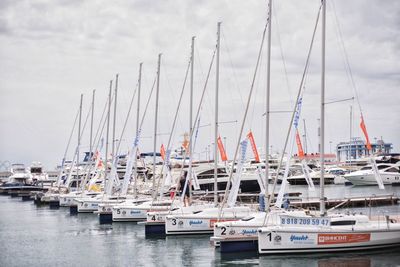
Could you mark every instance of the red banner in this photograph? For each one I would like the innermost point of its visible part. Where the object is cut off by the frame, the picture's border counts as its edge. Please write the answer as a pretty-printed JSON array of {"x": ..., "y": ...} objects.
[
  {"x": 221, "y": 149},
  {"x": 364, "y": 130},
  {"x": 162, "y": 152},
  {"x": 97, "y": 156},
  {"x": 253, "y": 146},
  {"x": 299, "y": 146},
  {"x": 329, "y": 239}
]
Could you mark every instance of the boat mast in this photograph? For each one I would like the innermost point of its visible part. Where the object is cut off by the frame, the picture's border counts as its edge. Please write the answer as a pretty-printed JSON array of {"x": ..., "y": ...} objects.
[
  {"x": 322, "y": 148},
  {"x": 216, "y": 119},
  {"x": 267, "y": 101},
  {"x": 191, "y": 116},
  {"x": 79, "y": 142},
  {"x": 155, "y": 127},
  {"x": 115, "y": 119},
  {"x": 107, "y": 135},
  {"x": 137, "y": 124},
  {"x": 90, "y": 144},
  {"x": 351, "y": 132}
]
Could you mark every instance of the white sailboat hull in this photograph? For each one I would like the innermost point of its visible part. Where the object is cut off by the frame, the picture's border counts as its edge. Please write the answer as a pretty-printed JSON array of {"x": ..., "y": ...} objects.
[
  {"x": 276, "y": 242},
  {"x": 202, "y": 223},
  {"x": 132, "y": 212}
]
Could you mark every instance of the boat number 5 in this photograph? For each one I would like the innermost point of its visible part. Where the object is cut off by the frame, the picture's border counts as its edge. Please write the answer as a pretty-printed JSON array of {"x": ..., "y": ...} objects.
[{"x": 118, "y": 211}]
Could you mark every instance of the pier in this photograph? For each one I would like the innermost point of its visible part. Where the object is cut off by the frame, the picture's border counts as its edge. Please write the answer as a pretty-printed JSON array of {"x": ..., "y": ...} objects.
[{"x": 351, "y": 202}]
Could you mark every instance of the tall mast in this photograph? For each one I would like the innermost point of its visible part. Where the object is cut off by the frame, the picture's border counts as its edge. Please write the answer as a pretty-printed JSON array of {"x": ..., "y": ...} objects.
[
  {"x": 90, "y": 141},
  {"x": 322, "y": 151},
  {"x": 155, "y": 126},
  {"x": 267, "y": 101},
  {"x": 191, "y": 114},
  {"x": 191, "y": 91},
  {"x": 216, "y": 118},
  {"x": 108, "y": 132},
  {"x": 351, "y": 132},
  {"x": 91, "y": 128},
  {"x": 79, "y": 141},
  {"x": 115, "y": 118},
  {"x": 137, "y": 123}
]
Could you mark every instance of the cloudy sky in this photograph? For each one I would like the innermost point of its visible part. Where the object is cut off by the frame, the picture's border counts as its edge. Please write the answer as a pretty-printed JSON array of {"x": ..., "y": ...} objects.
[{"x": 52, "y": 51}]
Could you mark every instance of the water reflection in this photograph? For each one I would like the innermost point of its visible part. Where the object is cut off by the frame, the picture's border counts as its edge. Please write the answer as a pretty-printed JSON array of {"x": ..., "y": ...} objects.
[{"x": 38, "y": 236}]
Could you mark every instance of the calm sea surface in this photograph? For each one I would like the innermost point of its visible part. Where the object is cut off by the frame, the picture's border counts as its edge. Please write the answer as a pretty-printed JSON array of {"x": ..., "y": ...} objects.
[{"x": 37, "y": 236}]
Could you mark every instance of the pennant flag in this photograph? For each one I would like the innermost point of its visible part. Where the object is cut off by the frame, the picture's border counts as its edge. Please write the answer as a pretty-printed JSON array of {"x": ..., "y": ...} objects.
[
  {"x": 253, "y": 146},
  {"x": 299, "y": 146},
  {"x": 162, "y": 152},
  {"x": 364, "y": 130},
  {"x": 221, "y": 149}
]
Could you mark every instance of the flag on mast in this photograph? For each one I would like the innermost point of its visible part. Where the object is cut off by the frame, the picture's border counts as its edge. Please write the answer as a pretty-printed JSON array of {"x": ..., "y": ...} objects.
[
  {"x": 253, "y": 146},
  {"x": 364, "y": 130},
  {"x": 221, "y": 149},
  {"x": 299, "y": 146},
  {"x": 162, "y": 152}
]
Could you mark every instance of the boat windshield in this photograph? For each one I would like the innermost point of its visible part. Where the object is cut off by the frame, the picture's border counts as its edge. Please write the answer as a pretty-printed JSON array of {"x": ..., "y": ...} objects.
[{"x": 366, "y": 168}]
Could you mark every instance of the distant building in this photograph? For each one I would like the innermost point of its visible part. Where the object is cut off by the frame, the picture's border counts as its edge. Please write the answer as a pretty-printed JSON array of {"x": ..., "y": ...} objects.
[{"x": 357, "y": 149}]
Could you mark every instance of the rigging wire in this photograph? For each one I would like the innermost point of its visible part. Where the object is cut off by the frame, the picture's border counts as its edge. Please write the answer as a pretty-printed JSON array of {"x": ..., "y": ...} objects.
[
  {"x": 197, "y": 115},
  {"x": 346, "y": 57},
  {"x": 243, "y": 120},
  {"x": 127, "y": 118},
  {"x": 68, "y": 144},
  {"x": 270, "y": 199},
  {"x": 174, "y": 125}
]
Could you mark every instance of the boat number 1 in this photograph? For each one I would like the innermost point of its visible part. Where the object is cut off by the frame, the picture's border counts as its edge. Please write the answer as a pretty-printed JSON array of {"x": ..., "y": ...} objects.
[{"x": 269, "y": 236}]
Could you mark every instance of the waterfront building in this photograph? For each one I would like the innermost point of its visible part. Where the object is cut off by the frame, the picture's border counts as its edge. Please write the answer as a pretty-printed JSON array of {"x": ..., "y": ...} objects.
[{"x": 356, "y": 149}]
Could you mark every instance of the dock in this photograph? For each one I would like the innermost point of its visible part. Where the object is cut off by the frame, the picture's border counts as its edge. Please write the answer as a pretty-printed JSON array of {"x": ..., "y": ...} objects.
[{"x": 351, "y": 202}]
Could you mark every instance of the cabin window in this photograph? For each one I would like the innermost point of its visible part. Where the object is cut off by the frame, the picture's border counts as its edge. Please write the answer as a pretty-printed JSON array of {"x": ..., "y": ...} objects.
[
  {"x": 366, "y": 168},
  {"x": 382, "y": 167},
  {"x": 350, "y": 222},
  {"x": 393, "y": 169},
  {"x": 248, "y": 218}
]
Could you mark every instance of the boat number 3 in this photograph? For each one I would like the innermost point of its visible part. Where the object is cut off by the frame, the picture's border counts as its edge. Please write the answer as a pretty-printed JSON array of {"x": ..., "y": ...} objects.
[
  {"x": 173, "y": 221},
  {"x": 223, "y": 230}
]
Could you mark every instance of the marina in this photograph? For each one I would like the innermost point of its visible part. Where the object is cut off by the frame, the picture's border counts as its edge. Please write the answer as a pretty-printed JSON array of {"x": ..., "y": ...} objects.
[
  {"x": 201, "y": 155},
  {"x": 39, "y": 229}
]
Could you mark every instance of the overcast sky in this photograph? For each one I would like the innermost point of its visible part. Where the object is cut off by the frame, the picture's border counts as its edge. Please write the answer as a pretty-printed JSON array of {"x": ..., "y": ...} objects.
[{"x": 52, "y": 51}]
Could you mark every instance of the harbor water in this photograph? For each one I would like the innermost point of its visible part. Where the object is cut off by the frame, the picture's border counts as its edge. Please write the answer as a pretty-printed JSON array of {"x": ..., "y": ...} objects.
[{"x": 33, "y": 235}]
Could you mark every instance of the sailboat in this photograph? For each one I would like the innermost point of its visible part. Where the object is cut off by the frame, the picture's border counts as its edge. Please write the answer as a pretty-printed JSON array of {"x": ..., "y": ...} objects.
[
  {"x": 202, "y": 222},
  {"x": 156, "y": 220},
  {"x": 327, "y": 232},
  {"x": 129, "y": 210}
]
